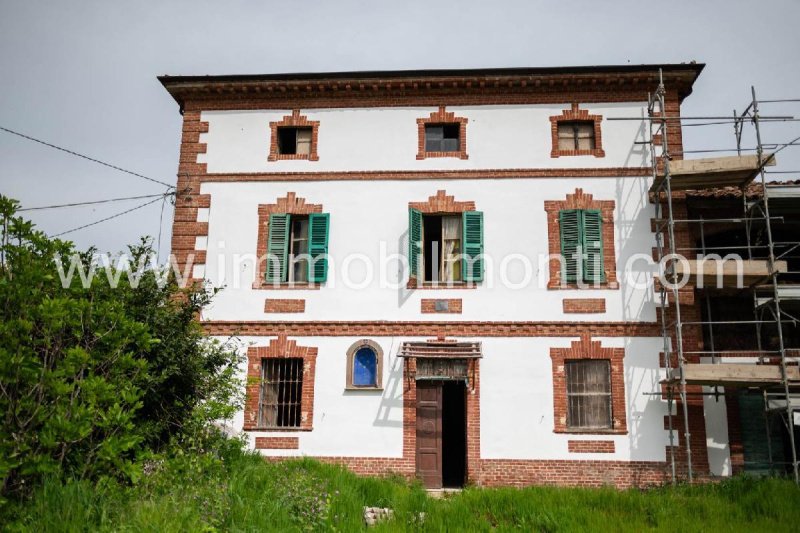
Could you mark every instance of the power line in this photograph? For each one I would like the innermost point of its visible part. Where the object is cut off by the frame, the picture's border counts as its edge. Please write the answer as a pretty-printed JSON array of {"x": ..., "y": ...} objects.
[
  {"x": 18, "y": 134},
  {"x": 109, "y": 218},
  {"x": 94, "y": 202}
]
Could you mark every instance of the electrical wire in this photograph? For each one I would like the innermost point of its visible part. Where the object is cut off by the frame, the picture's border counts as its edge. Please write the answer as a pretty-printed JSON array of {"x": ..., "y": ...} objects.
[
  {"x": 18, "y": 134},
  {"x": 110, "y": 217},
  {"x": 93, "y": 202}
]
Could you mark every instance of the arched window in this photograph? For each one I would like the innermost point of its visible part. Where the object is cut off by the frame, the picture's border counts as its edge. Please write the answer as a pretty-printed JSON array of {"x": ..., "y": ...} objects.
[{"x": 365, "y": 365}]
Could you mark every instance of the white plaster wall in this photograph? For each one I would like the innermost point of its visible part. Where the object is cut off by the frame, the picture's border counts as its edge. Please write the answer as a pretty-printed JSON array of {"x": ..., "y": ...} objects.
[
  {"x": 368, "y": 215},
  {"x": 352, "y": 139},
  {"x": 516, "y": 400}
]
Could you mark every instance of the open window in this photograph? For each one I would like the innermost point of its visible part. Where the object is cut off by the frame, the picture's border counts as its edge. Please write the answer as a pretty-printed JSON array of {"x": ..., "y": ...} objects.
[
  {"x": 443, "y": 137},
  {"x": 294, "y": 141},
  {"x": 297, "y": 248},
  {"x": 446, "y": 248},
  {"x": 364, "y": 366}
]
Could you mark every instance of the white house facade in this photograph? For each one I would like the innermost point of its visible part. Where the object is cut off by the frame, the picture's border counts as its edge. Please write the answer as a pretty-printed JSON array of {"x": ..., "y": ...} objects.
[{"x": 397, "y": 252}]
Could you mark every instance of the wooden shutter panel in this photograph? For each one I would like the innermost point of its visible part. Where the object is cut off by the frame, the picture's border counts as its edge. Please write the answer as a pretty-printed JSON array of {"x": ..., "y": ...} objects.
[
  {"x": 278, "y": 247},
  {"x": 592, "y": 232},
  {"x": 472, "y": 262},
  {"x": 318, "y": 230},
  {"x": 414, "y": 240},
  {"x": 569, "y": 222}
]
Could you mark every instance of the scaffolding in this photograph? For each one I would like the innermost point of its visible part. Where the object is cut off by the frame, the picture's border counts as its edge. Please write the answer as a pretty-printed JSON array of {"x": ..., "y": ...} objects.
[{"x": 761, "y": 272}]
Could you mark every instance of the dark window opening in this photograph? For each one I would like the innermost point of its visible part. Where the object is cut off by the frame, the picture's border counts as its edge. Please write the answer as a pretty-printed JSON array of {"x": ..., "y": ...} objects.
[
  {"x": 442, "y": 137},
  {"x": 454, "y": 434},
  {"x": 588, "y": 394},
  {"x": 281, "y": 393},
  {"x": 298, "y": 249},
  {"x": 293, "y": 141},
  {"x": 442, "y": 248},
  {"x": 576, "y": 135}
]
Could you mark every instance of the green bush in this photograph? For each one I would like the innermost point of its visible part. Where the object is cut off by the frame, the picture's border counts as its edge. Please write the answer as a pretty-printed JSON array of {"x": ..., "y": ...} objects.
[{"x": 96, "y": 379}]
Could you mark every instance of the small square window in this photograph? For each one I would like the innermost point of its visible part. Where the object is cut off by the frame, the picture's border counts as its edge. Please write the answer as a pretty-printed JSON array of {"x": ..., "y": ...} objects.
[
  {"x": 442, "y": 137},
  {"x": 294, "y": 141},
  {"x": 576, "y": 135},
  {"x": 588, "y": 394}
]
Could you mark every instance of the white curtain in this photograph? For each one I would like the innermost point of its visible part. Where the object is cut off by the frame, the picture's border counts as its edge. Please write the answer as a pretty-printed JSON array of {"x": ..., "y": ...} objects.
[{"x": 451, "y": 247}]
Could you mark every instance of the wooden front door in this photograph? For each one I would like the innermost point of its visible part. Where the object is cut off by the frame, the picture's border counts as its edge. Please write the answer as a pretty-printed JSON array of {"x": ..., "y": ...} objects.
[{"x": 429, "y": 433}]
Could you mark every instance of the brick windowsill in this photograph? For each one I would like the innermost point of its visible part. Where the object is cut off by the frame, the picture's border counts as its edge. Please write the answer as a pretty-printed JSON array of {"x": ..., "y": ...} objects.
[
  {"x": 276, "y": 430},
  {"x": 610, "y": 286},
  {"x": 412, "y": 284},
  {"x": 591, "y": 431},
  {"x": 363, "y": 389},
  {"x": 264, "y": 285}
]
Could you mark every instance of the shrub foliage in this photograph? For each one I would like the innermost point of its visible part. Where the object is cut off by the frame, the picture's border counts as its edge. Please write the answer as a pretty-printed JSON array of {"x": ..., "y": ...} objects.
[{"x": 95, "y": 379}]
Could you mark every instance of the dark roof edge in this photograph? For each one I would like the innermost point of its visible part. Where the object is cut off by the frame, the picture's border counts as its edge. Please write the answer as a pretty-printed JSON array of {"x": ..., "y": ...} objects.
[{"x": 437, "y": 73}]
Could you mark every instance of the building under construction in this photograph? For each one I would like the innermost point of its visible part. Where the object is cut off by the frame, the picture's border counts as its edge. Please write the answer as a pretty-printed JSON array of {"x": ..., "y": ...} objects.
[{"x": 731, "y": 332}]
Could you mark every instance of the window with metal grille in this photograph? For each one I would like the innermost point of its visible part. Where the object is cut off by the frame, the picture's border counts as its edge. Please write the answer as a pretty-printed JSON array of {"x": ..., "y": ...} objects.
[
  {"x": 588, "y": 394},
  {"x": 576, "y": 135},
  {"x": 281, "y": 393},
  {"x": 442, "y": 137}
]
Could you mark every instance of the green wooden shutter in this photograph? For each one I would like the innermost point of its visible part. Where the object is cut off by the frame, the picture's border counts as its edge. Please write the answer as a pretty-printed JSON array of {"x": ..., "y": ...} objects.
[
  {"x": 593, "y": 271},
  {"x": 569, "y": 222},
  {"x": 278, "y": 247},
  {"x": 472, "y": 242},
  {"x": 414, "y": 240},
  {"x": 318, "y": 229}
]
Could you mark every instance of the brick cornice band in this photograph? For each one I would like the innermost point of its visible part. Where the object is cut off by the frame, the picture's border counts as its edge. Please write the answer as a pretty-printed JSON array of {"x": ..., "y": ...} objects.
[{"x": 321, "y": 328}]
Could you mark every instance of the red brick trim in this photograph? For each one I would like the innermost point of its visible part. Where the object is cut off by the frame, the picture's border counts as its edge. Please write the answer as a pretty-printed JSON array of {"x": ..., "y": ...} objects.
[
  {"x": 584, "y": 305},
  {"x": 298, "y": 121},
  {"x": 586, "y": 348},
  {"x": 334, "y": 328},
  {"x": 275, "y": 305},
  {"x": 591, "y": 446},
  {"x": 293, "y": 205},
  {"x": 581, "y": 200},
  {"x": 735, "y": 445},
  {"x": 442, "y": 117},
  {"x": 447, "y": 305},
  {"x": 277, "y": 443},
  {"x": 526, "y": 472},
  {"x": 279, "y": 347},
  {"x": 536, "y": 88},
  {"x": 442, "y": 203},
  {"x": 414, "y": 175},
  {"x": 576, "y": 114}
]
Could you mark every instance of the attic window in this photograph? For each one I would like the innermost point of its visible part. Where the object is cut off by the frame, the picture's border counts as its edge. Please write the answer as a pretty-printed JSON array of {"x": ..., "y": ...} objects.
[
  {"x": 442, "y": 137},
  {"x": 576, "y": 135},
  {"x": 294, "y": 141}
]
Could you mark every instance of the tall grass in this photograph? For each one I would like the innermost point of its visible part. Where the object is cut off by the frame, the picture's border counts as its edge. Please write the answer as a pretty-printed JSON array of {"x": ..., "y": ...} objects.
[{"x": 242, "y": 492}]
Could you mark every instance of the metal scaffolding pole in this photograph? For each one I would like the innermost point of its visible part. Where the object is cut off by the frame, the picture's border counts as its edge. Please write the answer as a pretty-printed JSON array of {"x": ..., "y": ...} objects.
[{"x": 656, "y": 105}]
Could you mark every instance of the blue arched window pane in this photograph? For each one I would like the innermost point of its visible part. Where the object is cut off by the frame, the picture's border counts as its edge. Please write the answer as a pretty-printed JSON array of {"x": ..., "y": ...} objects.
[{"x": 365, "y": 368}]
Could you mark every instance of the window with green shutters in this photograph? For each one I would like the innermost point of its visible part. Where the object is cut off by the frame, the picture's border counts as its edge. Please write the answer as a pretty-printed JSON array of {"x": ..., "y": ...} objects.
[
  {"x": 581, "y": 245},
  {"x": 444, "y": 248},
  {"x": 297, "y": 248}
]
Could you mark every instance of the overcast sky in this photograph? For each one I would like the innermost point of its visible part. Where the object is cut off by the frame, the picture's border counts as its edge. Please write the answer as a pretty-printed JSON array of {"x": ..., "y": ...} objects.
[{"x": 82, "y": 74}]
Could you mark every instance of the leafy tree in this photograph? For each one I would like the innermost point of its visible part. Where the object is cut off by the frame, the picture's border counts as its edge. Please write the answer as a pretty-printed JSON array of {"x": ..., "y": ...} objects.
[{"x": 94, "y": 379}]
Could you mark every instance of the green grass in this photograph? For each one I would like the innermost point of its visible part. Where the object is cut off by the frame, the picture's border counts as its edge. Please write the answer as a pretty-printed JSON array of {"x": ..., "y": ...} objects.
[{"x": 242, "y": 492}]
